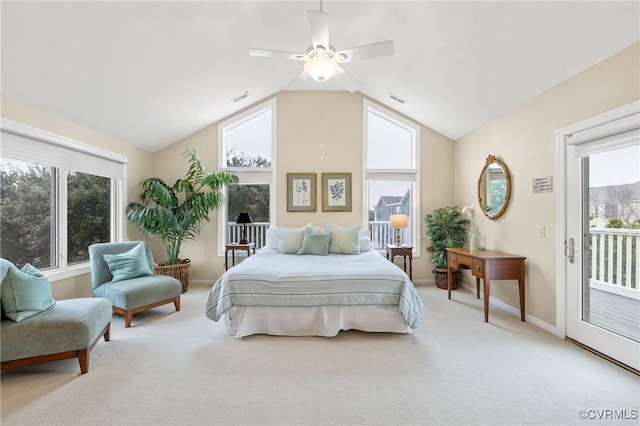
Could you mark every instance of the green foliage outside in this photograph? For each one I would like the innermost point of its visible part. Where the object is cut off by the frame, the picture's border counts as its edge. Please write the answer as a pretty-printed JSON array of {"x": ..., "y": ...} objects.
[
  {"x": 26, "y": 214},
  {"x": 252, "y": 198}
]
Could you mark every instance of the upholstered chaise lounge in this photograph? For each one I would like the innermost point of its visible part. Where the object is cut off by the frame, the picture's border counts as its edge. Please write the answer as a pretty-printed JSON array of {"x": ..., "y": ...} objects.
[
  {"x": 67, "y": 329},
  {"x": 142, "y": 291}
]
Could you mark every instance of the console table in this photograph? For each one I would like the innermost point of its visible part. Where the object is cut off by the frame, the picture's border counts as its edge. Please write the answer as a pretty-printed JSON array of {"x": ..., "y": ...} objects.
[{"x": 487, "y": 265}]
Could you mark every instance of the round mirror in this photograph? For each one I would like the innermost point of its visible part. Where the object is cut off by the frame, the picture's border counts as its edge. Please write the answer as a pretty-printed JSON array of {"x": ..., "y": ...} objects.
[{"x": 494, "y": 188}]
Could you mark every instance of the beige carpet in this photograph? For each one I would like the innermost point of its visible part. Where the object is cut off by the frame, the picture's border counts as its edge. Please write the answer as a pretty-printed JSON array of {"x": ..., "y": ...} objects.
[{"x": 181, "y": 368}]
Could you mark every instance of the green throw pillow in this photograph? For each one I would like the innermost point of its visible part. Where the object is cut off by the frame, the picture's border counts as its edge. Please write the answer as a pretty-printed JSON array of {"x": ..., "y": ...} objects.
[
  {"x": 314, "y": 243},
  {"x": 290, "y": 240},
  {"x": 130, "y": 264},
  {"x": 343, "y": 240},
  {"x": 25, "y": 293}
]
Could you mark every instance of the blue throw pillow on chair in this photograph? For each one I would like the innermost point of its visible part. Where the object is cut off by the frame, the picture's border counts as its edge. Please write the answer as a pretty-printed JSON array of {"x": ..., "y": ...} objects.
[
  {"x": 130, "y": 264},
  {"x": 25, "y": 293}
]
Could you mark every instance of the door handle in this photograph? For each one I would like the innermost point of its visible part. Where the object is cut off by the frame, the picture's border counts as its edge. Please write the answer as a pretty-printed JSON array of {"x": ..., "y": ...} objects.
[{"x": 570, "y": 249}]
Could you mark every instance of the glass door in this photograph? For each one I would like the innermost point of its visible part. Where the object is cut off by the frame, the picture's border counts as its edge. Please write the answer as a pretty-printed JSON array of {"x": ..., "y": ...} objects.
[{"x": 603, "y": 249}]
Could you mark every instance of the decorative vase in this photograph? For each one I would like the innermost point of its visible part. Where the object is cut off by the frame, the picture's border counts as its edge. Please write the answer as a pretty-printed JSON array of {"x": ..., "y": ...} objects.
[{"x": 473, "y": 239}]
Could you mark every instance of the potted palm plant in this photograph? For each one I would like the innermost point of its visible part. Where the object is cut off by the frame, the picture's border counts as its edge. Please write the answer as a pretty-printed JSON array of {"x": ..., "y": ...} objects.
[
  {"x": 446, "y": 228},
  {"x": 176, "y": 213}
]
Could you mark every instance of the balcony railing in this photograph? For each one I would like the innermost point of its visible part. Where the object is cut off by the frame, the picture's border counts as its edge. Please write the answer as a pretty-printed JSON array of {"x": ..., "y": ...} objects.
[
  {"x": 256, "y": 232},
  {"x": 381, "y": 233},
  {"x": 615, "y": 261}
]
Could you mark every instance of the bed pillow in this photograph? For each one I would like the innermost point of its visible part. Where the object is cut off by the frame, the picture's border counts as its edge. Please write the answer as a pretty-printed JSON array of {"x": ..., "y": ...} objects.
[
  {"x": 130, "y": 264},
  {"x": 290, "y": 240},
  {"x": 365, "y": 240},
  {"x": 25, "y": 293},
  {"x": 272, "y": 238},
  {"x": 343, "y": 240},
  {"x": 315, "y": 243}
]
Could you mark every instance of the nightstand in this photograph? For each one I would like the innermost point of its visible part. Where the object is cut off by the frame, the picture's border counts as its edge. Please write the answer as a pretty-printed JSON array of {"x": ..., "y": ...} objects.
[
  {"x": 232, "y": 247},
  {"x": 404, "y": 251}
]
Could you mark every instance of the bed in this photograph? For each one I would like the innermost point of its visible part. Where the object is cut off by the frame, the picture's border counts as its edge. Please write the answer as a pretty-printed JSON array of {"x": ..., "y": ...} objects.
[{"x": 296, "y": 295}]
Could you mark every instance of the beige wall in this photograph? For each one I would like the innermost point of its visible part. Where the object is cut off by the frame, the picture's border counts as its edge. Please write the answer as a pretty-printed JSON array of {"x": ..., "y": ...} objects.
[
  {"x": 139, "y": 167},
  {"x": 524, "y": 139},
  {"x": 307, "y": 120}
]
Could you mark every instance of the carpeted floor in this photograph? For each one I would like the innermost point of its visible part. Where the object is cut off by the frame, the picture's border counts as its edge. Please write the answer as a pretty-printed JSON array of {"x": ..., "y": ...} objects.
[{"x": 181, "y": 368}]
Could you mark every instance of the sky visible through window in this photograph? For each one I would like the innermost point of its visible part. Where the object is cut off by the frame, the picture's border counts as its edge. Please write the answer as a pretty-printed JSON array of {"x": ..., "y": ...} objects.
[
  {"x": 615, "y": 167},
  {"x": 252, "y": 137}
]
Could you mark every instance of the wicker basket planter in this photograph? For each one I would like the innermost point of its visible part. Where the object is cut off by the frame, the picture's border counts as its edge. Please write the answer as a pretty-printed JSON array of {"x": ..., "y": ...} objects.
[
  {"x": 181, "y": 271},
  {"x": 442, "y": 280}
]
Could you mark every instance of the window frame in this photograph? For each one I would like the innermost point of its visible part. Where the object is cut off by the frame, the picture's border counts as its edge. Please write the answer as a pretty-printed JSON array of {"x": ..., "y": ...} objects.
[
  {"x": 54, "y": 145},
  {"x": 410, "y": 175},
  {"x": 248, "y": 175}
]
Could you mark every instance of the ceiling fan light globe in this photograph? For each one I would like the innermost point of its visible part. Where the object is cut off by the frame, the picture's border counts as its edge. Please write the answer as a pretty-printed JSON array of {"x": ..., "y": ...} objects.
[{"x": 321, "y": 68}]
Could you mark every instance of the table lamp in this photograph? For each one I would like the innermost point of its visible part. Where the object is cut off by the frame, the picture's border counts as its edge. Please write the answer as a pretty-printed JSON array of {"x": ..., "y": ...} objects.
[
  {"x": 244, "y": 218},
  {"x": 398, "y": 221}
]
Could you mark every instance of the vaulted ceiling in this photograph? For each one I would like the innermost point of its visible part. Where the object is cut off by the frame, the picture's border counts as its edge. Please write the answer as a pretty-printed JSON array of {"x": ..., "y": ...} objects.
[{"x": 150, "y": 73}]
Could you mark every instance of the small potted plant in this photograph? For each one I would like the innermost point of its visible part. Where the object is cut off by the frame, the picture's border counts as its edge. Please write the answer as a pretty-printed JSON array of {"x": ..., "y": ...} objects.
[
  {"x": 446, "y": 228},
  {"x": 176, "y": 213}
]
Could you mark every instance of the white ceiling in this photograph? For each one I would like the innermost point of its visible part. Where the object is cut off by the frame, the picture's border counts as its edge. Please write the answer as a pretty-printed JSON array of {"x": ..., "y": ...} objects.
[{"x": 150, "y": 73}]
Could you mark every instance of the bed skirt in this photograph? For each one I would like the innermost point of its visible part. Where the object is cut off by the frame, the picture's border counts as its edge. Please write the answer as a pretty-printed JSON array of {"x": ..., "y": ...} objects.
[{"x": 325, "y": 321}]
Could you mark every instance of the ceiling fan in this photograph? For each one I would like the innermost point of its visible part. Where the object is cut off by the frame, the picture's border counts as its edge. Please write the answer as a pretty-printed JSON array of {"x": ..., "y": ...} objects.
[{"x": 322, "y": 60}]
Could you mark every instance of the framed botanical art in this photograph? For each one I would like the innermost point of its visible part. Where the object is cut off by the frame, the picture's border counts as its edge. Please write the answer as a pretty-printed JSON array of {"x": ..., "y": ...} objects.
[
  {"x": 301, "y": 192},
  {"x": 336, "y": 192}
]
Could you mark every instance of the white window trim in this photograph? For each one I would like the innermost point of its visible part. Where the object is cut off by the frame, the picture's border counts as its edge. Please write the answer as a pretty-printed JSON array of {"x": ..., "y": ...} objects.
[
  {"x": 411, "y": 175},
  {"x": 17, "y": 149},
  {"x": 265, "y": 175}
]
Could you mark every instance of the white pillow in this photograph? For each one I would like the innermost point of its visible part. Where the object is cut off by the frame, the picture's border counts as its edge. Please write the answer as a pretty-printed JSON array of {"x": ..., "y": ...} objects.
[
  {"x": 365, "y": 240},
  {"x": 272, "y": 238}
]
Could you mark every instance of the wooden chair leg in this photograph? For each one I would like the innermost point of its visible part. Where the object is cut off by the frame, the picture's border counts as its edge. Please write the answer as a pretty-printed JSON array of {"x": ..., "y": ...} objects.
[
  {"x": 83, "y": 359},
  {"x": 128, "y": 317},
  {"x": 107, "y": 334},
  {"x": 176, "y": 302}
]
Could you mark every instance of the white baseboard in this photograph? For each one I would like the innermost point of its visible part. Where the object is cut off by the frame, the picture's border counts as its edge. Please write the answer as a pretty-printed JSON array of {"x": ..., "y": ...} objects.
[{"x": 515, "y": 311}]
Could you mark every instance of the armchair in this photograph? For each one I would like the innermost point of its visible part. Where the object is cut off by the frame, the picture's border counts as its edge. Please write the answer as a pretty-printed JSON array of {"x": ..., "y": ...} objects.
[{"x": 130, "y": 296}]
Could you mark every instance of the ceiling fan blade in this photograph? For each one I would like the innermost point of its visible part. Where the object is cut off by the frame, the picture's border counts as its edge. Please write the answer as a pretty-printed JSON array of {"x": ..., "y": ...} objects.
[
  {"x": 277, "y": 53},
  {"x": 375, "y": 50},
  {"x": 319, "y": 24},
  {"x": 347, "y": 80}
]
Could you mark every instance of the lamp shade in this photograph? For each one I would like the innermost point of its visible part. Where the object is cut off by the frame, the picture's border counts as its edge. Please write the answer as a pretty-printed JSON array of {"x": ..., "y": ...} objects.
[
  {"x": 398, "y": 221},
  {"x": 244, "y": 218}
]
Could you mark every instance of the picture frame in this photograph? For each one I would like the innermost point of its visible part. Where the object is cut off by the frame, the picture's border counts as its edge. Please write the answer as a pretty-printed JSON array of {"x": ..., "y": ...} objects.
[
  {"x": 336, "y": 192},
  {"x": 301, "y": 192}
]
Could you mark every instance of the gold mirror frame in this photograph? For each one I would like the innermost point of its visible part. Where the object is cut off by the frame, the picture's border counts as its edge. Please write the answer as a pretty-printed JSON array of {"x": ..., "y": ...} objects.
[{"x": 492, "y": 160}]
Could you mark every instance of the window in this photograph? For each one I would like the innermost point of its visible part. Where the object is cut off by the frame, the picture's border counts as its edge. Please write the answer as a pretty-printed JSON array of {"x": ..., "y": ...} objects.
[
  {"x": 58, "y": 197},
  {"x": 391, "y": 177},
  {"x": 246, "y": 148}
]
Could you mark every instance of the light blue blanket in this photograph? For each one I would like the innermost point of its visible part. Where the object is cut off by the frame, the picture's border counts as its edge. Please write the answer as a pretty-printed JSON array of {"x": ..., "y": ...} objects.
[{"x": 270, "y": 278}]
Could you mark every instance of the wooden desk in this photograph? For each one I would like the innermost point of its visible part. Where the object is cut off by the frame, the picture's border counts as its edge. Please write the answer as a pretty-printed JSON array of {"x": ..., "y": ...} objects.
[
  {"x": 232, "y": 247},
  {"x": 404, "y": 251},
  {"x": 487, "y": 265}
]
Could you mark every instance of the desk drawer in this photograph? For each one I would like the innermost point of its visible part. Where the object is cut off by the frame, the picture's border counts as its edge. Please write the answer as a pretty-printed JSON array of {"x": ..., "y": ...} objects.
[
  {"x": 477, "y": 268},
  {"x": 455, "y": 260}
]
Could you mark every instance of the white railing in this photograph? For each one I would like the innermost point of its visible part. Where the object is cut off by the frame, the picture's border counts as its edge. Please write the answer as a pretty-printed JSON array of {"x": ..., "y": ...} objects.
[
  {"x": 256, "y": 232},
  {"x": 615, "y": 260},
  {"x": 381, "y": 233}
]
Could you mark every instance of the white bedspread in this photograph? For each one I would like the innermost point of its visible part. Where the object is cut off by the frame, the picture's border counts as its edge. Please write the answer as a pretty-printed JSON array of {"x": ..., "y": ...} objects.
[{"x": 270, "y": 278}]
